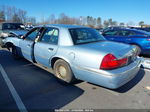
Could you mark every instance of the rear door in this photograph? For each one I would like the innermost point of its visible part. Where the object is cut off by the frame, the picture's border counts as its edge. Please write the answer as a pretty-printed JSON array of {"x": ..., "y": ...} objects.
[
  {"x": 27, "y": 44},
  {"x": 46, "y": 46}
]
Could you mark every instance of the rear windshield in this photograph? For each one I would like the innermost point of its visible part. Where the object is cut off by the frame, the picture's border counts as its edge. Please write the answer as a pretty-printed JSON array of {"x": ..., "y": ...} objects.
[
  {"x": 12, "y": 26},
  {"x": 85, "y": 35}
]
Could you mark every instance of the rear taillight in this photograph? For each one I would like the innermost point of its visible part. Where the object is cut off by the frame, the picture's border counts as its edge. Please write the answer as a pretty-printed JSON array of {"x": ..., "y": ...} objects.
[
  {"x": 111, "y": 62},
  {"x": 148, "y": 39}
]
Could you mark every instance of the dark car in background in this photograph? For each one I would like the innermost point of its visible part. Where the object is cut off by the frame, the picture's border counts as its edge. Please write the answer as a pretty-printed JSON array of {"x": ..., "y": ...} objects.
[
  {"x": 9, "y": 29},
  {"x": 5, "y": 28},
  {"x": 145, "y": 29},
  {"x": 139, "y": 38}
]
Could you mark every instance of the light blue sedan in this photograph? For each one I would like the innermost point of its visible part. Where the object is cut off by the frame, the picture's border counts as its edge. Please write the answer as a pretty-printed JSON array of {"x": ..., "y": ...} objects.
[{"x": 78, "y": 52}]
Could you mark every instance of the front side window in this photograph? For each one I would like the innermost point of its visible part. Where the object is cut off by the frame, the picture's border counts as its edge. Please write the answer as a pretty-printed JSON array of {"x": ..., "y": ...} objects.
[
  {"x": 50, "y": 36},
  {"x": 111, "y": 33},
  {"x": 131, "y": 33},
  {"x": 125, "y": 33},
  {"x": 32, "y": 35},
  {"x": 85, "y": 35}
]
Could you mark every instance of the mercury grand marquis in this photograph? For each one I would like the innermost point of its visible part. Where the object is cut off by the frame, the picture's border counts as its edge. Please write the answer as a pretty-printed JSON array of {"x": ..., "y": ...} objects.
[{"x": 78, "y": 52}]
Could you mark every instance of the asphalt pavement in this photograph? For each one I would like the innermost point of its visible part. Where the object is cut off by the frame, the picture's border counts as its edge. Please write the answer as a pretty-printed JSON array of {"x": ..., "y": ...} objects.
[{"x": 28, "y": 87}]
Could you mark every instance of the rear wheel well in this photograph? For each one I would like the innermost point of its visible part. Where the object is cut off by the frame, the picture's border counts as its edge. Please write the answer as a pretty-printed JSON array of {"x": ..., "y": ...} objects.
[{"x": 53, "y": 61}]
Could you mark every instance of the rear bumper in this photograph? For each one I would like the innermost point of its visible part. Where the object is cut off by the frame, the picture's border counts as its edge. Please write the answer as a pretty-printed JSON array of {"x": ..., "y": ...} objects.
[{"x": 110, "y": 78}]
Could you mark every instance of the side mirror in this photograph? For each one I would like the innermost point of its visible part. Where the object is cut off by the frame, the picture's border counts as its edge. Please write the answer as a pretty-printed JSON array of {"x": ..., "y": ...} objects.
[{"x": 22, "y": 36}]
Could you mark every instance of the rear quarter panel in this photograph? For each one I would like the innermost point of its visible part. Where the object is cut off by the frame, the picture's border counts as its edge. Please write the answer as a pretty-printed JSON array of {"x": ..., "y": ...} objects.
[{"x": 79, "y": 58}]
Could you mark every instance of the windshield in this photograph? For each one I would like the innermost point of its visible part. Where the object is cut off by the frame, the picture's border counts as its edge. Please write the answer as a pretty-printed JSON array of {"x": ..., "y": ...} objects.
[
  {"x": 12, "y": 26},
  {"x": 85, "y": 35}
]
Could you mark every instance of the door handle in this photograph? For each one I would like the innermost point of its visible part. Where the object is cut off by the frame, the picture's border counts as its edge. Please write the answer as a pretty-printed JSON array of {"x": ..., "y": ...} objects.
[
  {"x": 50, "y": 49},
  {"x": 28, "y": 45}
]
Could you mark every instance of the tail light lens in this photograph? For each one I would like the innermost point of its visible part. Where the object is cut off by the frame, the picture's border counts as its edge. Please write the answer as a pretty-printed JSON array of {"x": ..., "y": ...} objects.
[
  {"x": 148, "y": 39},
  {"x": 111, "y": 62}
]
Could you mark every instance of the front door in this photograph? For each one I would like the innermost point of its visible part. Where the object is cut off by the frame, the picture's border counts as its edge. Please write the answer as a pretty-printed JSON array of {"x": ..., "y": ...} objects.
[
  {"x": 27, "y": 44},
  {"x": 46, "y": 46}
]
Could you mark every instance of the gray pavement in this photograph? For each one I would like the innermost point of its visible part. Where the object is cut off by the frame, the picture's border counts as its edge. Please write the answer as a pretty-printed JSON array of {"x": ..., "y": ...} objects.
[{"x": 39, "y": 90}]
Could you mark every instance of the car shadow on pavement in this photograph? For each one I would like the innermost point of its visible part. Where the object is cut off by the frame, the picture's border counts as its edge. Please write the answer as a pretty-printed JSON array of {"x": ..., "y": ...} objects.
[
  {"x": 132, "y": 83},
  {"x": 38, "y": 89}
]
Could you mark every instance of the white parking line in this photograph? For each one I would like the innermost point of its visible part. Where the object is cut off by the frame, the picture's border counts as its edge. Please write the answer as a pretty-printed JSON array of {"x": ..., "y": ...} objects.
[
  {"x": 147, "y": 70},
  {"x": 14, "y": 93}
]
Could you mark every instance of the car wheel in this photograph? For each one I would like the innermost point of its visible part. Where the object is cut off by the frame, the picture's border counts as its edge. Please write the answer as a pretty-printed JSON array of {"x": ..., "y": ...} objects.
[
  {"x": 63, "y": 72},
  {"x": 1, "y": 43},
  {"x": 14, "y": 52}
]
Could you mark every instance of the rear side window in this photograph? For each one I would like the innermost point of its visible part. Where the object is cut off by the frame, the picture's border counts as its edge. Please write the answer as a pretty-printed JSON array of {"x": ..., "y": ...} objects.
[
  {"x": 125, "y": 33},
  {"x": 50, "y": 36}
]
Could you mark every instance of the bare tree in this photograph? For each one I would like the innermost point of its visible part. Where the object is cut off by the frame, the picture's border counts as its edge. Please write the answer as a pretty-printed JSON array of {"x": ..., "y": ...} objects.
[
  {"x": 63, "y": 18},
  {"x": 31, "y": 20},
  {"x": 22, "y": 15},
  {"x": 51, "y": 19},
  {"x": 141, "y": 23},
  {"x": 16, "y": 18},
  {"x": 121, "y": 24},
  {"x": 106, "y": 23},
  {"x": 2, "y": 16},
  {"x": 99, "y": 22}
]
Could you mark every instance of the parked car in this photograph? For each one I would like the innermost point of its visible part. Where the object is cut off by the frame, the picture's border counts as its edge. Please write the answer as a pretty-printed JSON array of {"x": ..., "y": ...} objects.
[
  {"x": 145, "y": 29},
  {"x": 139, "y": 38},
  {"x": 100, "y": 30},
  {"x": 112, "y": 28},
  {"x": 6, "y": 28},
  {"x": 78, "y": 52},
  {"x": 17, "y": 33}
]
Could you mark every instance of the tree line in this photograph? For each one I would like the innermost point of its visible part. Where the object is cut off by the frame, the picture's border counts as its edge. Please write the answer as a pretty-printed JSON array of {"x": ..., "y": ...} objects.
[{"x": 13, "y": 14}]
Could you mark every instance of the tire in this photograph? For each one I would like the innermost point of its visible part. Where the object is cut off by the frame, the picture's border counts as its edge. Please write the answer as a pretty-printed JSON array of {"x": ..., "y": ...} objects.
[
  {"x": 63, "y": 72},
  {"x": 1, "y": 43},
  {"x": 14, "y": 52}
]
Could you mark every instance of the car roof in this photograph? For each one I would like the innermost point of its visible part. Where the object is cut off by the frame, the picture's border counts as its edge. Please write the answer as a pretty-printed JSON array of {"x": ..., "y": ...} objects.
[
  {"x": 134, "y": 30},
  {"x": 128, "y": 29},
  {"x": 66, "y": 26}
]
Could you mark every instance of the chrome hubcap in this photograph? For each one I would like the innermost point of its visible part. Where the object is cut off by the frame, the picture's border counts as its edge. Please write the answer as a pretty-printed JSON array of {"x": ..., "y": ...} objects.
[{"x": 62, "y": 72}]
